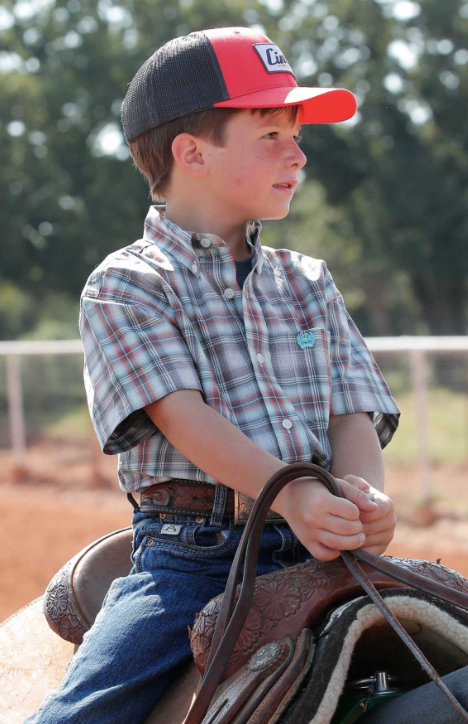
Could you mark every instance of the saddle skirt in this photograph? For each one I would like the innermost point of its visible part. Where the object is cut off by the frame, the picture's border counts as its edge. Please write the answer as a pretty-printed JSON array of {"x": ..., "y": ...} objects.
[{"x": 289, "y": 600}]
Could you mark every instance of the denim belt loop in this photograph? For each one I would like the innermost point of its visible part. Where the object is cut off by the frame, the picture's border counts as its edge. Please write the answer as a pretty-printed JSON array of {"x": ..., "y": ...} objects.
[{"x": 219, "y": 505}]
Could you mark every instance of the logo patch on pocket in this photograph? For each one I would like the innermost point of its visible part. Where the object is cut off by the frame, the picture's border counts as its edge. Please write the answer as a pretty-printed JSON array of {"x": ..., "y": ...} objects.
[
  {"x": 170, "y": 529},
  {"x": 306, "y": 339}
]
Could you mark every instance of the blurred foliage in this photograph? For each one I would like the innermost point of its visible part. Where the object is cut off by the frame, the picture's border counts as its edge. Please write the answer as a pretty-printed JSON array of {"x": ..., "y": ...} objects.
[{"x": 383, "y": 198}]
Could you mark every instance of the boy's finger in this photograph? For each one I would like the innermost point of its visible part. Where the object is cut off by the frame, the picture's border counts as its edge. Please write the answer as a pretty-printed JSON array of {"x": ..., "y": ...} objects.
[
  {"x": 357, "y": 482},
  {"x": 376, "y": 550},
  {"x": 343, "y": 508},
  {"x": 340, "y": 542},
  {"x": 359, "y": 497},
  {"x": 321, "y": 552},
  {"x": 341, "y": 526},
  {"x": 378, "y": 539},
  {"x": 379, "y": 525}
]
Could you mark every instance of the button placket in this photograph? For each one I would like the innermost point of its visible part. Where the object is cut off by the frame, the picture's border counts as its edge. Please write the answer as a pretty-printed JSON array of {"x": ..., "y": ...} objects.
[{"x": 296, "y": 444}]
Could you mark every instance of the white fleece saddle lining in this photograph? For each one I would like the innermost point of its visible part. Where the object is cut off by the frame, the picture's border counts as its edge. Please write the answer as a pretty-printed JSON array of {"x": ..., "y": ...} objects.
[{"x": 405, "y": 607}]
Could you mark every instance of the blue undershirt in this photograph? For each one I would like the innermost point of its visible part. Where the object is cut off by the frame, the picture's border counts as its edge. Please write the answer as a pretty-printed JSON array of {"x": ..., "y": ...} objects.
[{"x": 243, "y": 269}]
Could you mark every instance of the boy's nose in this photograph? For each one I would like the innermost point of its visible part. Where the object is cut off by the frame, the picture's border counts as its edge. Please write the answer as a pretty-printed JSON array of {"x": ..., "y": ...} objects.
[{"x": 298, "y": 158}]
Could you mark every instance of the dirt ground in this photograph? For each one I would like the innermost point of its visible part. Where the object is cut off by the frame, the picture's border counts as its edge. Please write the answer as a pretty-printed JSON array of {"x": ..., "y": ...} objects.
[{"x": 67, "y": 495}]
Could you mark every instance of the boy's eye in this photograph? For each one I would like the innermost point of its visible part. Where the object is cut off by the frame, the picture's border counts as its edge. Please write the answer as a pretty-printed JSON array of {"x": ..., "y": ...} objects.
[{"x": 298, "y": 139}]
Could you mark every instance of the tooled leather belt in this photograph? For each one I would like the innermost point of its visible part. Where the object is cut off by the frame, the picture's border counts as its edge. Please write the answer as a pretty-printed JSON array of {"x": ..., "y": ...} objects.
[{"x": 189, "y": 497}]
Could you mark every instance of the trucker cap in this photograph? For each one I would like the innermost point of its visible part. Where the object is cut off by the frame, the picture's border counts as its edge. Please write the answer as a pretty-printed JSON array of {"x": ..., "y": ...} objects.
[{"x": 233, "y": 67}]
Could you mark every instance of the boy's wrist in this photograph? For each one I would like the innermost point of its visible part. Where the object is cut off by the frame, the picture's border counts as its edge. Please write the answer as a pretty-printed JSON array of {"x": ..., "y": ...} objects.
[{"x": 286, "y": 501}]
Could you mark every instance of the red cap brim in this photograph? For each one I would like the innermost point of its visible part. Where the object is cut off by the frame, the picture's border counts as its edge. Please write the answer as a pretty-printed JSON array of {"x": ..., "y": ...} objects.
[{"x": 319, "y": 105}]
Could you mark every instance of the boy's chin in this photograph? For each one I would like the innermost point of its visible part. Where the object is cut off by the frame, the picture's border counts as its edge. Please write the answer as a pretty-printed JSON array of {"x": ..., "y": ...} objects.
[{"x": 272, "y": 215}]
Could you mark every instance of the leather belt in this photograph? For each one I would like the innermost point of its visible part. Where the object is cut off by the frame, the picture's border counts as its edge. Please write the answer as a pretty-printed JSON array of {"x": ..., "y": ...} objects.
[{"x": 189, "y": 497}]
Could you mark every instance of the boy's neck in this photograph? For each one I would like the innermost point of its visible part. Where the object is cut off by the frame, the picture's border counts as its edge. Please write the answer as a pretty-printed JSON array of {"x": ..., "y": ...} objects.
[{"x": 233, "y": 233}]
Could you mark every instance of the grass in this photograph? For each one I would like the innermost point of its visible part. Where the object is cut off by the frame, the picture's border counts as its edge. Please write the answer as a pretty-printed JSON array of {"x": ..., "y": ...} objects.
[
  {"x": 447, "y": 426},
  {"x": 74, "y": 422}
]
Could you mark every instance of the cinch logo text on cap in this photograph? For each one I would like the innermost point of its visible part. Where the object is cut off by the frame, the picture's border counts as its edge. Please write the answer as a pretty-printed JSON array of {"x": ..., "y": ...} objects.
[{"x": 272, "y": 58}]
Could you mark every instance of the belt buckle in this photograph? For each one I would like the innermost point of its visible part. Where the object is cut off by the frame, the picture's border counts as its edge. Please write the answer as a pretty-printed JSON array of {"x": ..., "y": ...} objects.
[{"x": 243, "y": 506}]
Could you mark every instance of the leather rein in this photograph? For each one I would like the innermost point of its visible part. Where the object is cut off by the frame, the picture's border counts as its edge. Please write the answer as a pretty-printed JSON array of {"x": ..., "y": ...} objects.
[{"x": 231, "y": 617}]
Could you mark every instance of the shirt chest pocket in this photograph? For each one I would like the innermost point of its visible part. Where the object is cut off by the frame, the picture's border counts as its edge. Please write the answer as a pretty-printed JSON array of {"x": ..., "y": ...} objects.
[{"x": 311, "y": 369}]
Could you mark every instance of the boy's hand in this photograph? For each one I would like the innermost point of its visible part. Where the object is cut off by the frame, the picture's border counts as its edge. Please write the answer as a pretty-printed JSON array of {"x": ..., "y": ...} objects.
[
  {"x": 379, "y": 524},
  {"x": 324, "y": 523}
]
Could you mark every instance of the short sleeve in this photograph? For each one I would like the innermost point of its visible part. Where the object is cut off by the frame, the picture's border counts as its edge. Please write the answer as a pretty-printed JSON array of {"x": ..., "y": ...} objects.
[
  {"x": 134, "y": 355},
  {"x": 357, "y": 383}
]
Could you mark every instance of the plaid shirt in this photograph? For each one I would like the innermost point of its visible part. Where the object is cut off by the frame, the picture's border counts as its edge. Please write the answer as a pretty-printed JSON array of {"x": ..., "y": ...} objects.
[{"x": 276, "y": 358}]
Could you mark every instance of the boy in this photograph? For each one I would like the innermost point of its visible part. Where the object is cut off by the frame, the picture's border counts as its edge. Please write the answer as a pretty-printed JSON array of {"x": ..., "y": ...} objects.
[{"x": 206, "y": 382}]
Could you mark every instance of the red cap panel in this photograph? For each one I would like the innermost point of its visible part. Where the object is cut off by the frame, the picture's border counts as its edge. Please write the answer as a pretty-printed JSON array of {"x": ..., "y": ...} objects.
[{"x": 245, "y": 67}]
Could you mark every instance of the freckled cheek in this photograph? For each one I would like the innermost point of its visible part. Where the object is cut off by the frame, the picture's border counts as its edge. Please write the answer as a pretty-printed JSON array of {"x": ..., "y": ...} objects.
[
  {"x": 261, "y": 177},
  {"x": 251, "y": 175},
  {"x": 247, "y": 179}
]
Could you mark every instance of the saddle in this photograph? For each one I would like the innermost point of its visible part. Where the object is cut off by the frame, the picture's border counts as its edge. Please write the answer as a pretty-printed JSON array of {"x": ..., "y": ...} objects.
[{"x": 314, "y": 643}]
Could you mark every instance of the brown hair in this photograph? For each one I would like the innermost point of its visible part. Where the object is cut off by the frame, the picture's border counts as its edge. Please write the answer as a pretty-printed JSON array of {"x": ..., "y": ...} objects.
[{"x": 152, "y": 151}]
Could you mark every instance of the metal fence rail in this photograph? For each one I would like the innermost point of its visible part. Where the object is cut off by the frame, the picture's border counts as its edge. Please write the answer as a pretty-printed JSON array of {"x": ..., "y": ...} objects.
[{"x": 417, "y": 348}]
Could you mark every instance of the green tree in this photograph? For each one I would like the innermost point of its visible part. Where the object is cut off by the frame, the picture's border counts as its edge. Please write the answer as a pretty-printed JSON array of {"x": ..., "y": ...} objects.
[
  {"x": 400, "y": 174},
  {"x": 383, "y": 199}
]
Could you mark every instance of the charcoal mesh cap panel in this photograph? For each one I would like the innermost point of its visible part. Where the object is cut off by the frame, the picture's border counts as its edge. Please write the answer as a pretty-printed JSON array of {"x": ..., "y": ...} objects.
[{"x": 181, "y": 77}]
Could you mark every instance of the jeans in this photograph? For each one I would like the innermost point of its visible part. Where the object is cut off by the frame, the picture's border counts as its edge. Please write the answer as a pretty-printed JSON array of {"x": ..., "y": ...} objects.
[
  {"x": 127, "y": 658},
  {"x": 424, "y": 704}
]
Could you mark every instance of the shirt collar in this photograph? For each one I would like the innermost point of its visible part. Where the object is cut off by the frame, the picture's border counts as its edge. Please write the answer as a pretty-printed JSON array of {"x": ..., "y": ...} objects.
[{"x": 186, "y": 246}]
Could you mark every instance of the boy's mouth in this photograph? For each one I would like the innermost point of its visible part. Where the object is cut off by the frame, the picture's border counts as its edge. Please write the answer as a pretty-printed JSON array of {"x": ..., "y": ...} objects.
[{"x": 291, "y": 185}]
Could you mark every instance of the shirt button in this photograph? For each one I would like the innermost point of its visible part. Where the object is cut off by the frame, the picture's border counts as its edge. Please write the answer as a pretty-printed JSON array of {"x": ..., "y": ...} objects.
[
  {"x": 195, "y": 267},
  {"x": 205, "y": 242},
  {"x": 229, "y": 293},
  {"x": 287, "y": 424},
  {"x": 260, "y": 358}
]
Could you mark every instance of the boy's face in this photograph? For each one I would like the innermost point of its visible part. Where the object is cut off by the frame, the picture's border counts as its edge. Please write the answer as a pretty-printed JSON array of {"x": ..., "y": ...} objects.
[{"x": 259, "y": 153}]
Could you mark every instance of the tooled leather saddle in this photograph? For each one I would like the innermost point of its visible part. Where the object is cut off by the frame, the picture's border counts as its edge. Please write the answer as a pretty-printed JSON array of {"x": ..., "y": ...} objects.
[{"x": 314, "y": 643}]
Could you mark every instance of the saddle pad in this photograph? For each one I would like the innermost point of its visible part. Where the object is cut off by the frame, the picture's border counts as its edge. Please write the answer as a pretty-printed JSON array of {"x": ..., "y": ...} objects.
[{"x": 355, "y": 641}]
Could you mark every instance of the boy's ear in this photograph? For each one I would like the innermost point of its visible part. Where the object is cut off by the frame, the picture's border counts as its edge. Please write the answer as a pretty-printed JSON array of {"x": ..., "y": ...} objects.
[{"x": 188, "y": 152}]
